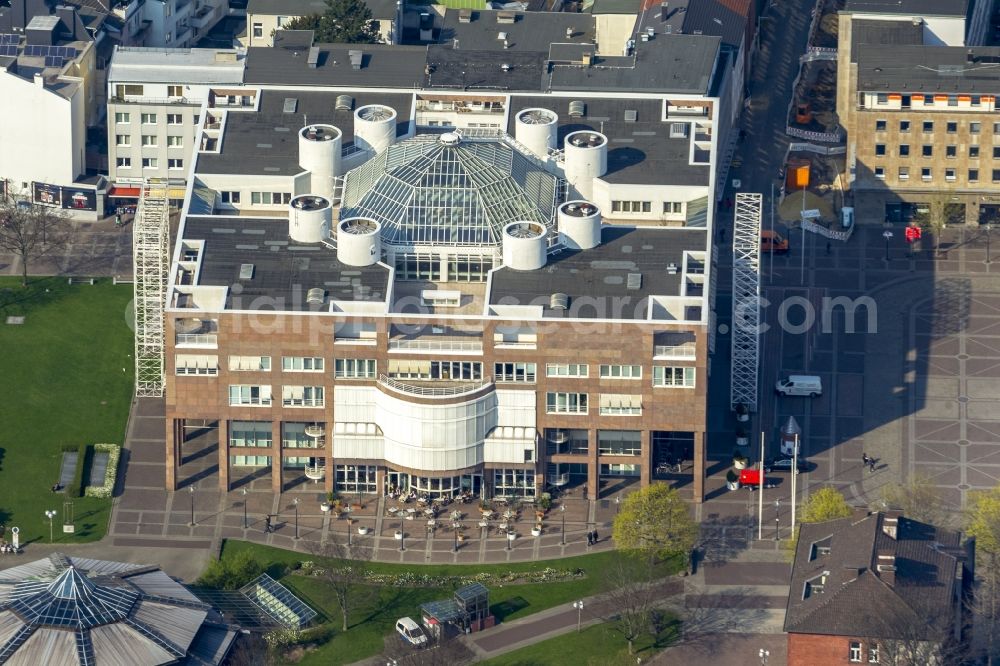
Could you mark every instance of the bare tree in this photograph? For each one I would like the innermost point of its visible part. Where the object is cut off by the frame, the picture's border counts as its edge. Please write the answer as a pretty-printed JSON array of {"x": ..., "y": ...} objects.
[
  {"x": 922, "y": 637},
  {"x": 631, "y": 596},
  {"x": 984, "y": 611},
  {"x": 449, "y": 650},
  {"x": 31, "y": 231},
  {"x": 343, "y": 569},
  {"x": 918, "y": 499}
]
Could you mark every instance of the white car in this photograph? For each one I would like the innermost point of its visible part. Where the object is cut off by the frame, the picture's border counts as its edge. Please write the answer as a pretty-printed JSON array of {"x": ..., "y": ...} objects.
[{"x": 411, "y": 632}]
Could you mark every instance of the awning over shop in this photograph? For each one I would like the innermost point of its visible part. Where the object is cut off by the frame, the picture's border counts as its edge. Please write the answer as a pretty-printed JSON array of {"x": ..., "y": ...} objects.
[{"x": 124, "y": 192}]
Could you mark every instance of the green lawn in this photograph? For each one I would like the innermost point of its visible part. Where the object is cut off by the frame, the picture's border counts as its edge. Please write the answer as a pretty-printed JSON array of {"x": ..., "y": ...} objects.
[
  {"x": 599, "y": 645},
  {"x": 64, "y": 385},
  {"x": 383, "y": 606}
]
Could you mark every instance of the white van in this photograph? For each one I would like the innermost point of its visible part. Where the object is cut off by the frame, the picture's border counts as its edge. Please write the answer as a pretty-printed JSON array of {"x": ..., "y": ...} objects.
[
  {"x": 809, "y": 385},
  {"x": 411, "y": 632}
]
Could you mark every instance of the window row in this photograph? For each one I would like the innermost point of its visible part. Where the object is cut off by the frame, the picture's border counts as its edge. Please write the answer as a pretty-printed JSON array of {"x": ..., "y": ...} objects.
[
  {"x": 927, "y": 174},
  {"x": 582, "y": 370},
  {"x": 137, "y": 90},
  {"x": 927, "y": 150},
  {"x": 514, "y": 372},
  {"x": 882, "y": 99},
  {"x": 148, "y": 141},
  {"x": 927, "y": 126},
  {"x": 270, "y": 198},
  {"x": 149, "y": 163},
  {"x": 451, "y": 370},
  {"x": 245, "y": 395}
]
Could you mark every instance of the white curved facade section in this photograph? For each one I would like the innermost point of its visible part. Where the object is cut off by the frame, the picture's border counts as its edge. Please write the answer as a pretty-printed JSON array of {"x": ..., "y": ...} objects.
[
  {"x": 374, "y": 127},
  {"x": 579, "y": 224},
  {"x": 319, "y": 154},
  {"x": 523, "y": 245},
  {"x": 537, "y": 129},
  {"x": 359, "y": 241},
  {"x": 309, "y": 218},
  {"x": 585, "y": 155},
  {"x": 435, "y": 438}
]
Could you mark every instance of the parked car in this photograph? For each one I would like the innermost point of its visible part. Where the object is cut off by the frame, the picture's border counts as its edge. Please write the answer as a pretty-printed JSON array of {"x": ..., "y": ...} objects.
[
  {"x": 809, "y": 385},
  {"x": 411, "y": 632},
  {"x": 772, "y": 241},
  {"x": 784, "y": 465}
]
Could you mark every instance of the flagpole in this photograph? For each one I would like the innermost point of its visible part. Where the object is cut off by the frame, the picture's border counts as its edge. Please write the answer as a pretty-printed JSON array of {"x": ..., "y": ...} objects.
[
  {"x": 795, "y": 473},
  {"x": 760, "y": 496}
]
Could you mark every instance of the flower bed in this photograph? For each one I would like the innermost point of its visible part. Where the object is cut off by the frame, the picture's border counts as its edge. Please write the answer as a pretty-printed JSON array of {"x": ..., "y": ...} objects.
[
  {"x": 110, "y": 473},
  {"x": 414, "y": 579}
]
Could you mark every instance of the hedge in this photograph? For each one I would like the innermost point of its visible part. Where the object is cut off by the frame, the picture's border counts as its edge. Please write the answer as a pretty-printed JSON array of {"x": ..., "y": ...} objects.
[
  {"x": 110, "y": 474},
  {"x": 75, "y": 487}
]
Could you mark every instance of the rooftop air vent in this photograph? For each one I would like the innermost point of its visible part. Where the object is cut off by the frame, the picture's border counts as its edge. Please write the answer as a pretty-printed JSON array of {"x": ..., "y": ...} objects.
[
  {"x": 315, "y": 296},
  {"x": 678, "y": 130},
  {"x": 559, "y": 301},
  {"x": 577, "y": 109},
  {"x": 631, "y": 115},
  {"x": 358, "y": 226},
  {"x": 502, "y": 36},
  {"x": 356, "y": 57},
  {"x": 506, "y": 17},
  {"x": 536, "y": 117},
  {"x": 306, "y": 202},
  {"x": 344, "y": 103},
  {"x": 450, "y": 138},
  {"x": 465, "y": 16},
  {"x": 290, "y": 106},
  {"x": 246, "y": 271},
  {"x": 313, "y": 60},
  {"x": 505, "y": 66},
  {"x": 319, "y": 133},
  {"x": 569, "y": 33},
  {"x": 375, "y": 113},
  {"x": 586, "y": 139},
  {"x": 671, "y": 269},
  {"x": 525, "y": 230},
  {"x": 634, "y": 281}
]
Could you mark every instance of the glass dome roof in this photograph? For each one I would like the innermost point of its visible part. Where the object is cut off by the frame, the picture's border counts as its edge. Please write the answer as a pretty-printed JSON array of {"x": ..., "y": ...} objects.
[{"x": 449, "y": 190}]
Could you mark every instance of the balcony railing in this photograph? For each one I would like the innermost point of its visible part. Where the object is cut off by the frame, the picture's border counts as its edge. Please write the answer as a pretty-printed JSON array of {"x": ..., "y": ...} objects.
[
  {"x": 514, "y": 344},
  {"x": 434, "y": 391},
  {"x": 468, "y": 346},
  {"x": 197, "y": 340},
  {"x": 679, "y": 351}
]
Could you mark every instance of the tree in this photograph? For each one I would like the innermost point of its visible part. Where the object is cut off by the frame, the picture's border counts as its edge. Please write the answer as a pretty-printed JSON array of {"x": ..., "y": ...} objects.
[
  {"x": 30, "y": 231},
  {"x": 628, "y": 588},
  {"x": 655, "y": 521},
  {"x": 343, "y": 575},
  {"x": 827, "y": 503},
  {"x": 231, "y": 573},
  {"x": 982, "y": 522},
  {"x": 918, "y": 499},
  {"x": 343, "y": 22}
]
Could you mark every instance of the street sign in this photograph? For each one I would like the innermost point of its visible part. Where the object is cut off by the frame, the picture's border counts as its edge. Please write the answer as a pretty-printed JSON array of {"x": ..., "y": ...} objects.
[{"x": 887, "y": 234}]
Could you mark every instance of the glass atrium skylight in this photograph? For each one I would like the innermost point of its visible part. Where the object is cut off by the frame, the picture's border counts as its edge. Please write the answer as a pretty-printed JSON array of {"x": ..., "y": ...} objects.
[{"x": 446, "y": 190}]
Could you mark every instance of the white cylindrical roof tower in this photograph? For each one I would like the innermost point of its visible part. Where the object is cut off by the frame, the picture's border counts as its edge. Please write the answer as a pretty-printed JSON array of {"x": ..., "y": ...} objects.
[
  {"x": 319, "y": 153},
  {"x": 579, "y": 225},
  {"x": 537, "y": 130},
  {"x": 309, "y": 218},
  {"x": 359, "y": 241},
  {"x": 374, "y": 127},
  {"x": 524, "y": 246},
  {"x": 586, "y": 158}
]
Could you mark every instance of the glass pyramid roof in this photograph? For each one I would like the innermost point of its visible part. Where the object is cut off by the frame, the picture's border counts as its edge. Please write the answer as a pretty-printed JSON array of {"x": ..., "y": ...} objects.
[
  {"x": 449, "y": 190},
  {"x": 72, "y": 601}
]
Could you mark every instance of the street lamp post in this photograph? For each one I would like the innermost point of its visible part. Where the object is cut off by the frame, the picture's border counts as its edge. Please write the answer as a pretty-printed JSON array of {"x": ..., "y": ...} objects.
[
  {"x": 454, "y": 548},
  {"x": 618, "y": 504},
  {"x": 988, "y": 230},
  {"x": 887, "y": 235},
  {"x": 402, "y": 536},
  {"x": 578, "y": 605},
  {"x": 191, "y": 494},
  {"x": 777, "y": 507},
  {"x": 244, "y": 508},
  {"x": 562, "y": 510},
  {"x": 50, "y": 514},
  {"x": 350, "y": 522},
  {"x": 295, "y": 503}
]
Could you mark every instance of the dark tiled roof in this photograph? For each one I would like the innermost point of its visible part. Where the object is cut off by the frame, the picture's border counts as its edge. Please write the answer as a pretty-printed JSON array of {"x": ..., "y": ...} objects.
[
  {"x": 914, "y": 7},
  {"x": 916, "y": 602},
  {"x": 929, "y": 69},
  {"x": 467, "y": 69},
  {"x": 266, "y": 142},
  {"x": 886, "y": 33},
  {"x": 598, "y": 277},
  {"x": 533, "y": 31},
  {"x": 383, "y": 66},
  {"x": 712, "y": 17},
  {"x": 639, "y": 152}
]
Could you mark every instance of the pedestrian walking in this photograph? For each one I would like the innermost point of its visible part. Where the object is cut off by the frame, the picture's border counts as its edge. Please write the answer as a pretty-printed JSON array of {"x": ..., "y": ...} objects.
[
  {"x": 267, "y": 524},
  {"x": 828, "y": 247},
  {"x": 590, "y": 538},
  {"x": 871, "y": 465},
  {"x": 595, "y": 536},
  {"x": 865, "y": 459}
]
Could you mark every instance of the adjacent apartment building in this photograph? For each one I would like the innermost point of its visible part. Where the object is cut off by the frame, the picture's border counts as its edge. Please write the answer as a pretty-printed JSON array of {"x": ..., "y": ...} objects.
[
  {"x": 450, "y": 269},
  {"x": 265, "y": 17},
  {"x": 171, "y": 23},
  {"x": 877, "y": 588},
  {"x": 917, "y": 98}
]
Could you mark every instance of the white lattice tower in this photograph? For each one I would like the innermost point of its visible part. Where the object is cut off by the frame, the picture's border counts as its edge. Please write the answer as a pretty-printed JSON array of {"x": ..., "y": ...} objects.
[
  {"x": 151, "y": 264},
  {"x": 746, "y": 301}
]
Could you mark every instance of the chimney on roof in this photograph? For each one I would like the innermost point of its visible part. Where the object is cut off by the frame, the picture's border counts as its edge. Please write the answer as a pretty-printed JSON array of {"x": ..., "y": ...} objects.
[
  {"x": 39, "y": 80},
  {"x": 890, "y": 525},
  {"x": 885, "y": 566},
  {"x": 664, "y": 11}
]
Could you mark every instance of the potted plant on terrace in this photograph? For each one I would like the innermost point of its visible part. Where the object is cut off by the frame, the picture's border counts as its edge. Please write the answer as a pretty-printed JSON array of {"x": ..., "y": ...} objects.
[
  {"x": 732, "y": 480},
  {"x": 739, "y": 460}
]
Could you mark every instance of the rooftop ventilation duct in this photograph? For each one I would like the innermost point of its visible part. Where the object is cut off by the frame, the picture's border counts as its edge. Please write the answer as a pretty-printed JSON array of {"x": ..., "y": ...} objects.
[
  {"x": 290, "y": 106},
  {"x": 359, "y": 241},
  {"x": 309, "y": 218},
  {"x": 356, "y": 57},
  {"x": 577, "y": 109},
  {"x": 316, "y": 296},
  {"x": 313, "y": 59},
  {"x": 344, "y": 103},
  {"x": 559, "y": 301},
  {"x": 524, "y": 246},
  {"x": 506, "y": 17},
  {"x": 465, "y": 16},
  {"x": 579, "y": 224}
]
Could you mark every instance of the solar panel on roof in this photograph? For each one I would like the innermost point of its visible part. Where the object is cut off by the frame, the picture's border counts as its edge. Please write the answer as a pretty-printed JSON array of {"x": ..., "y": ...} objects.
[
  {"x": 53, "y": 61},
  {"x": 8, "y": 38},
  {"x": 33, "y": 50},
  {"x": 8, "y": 50}
]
